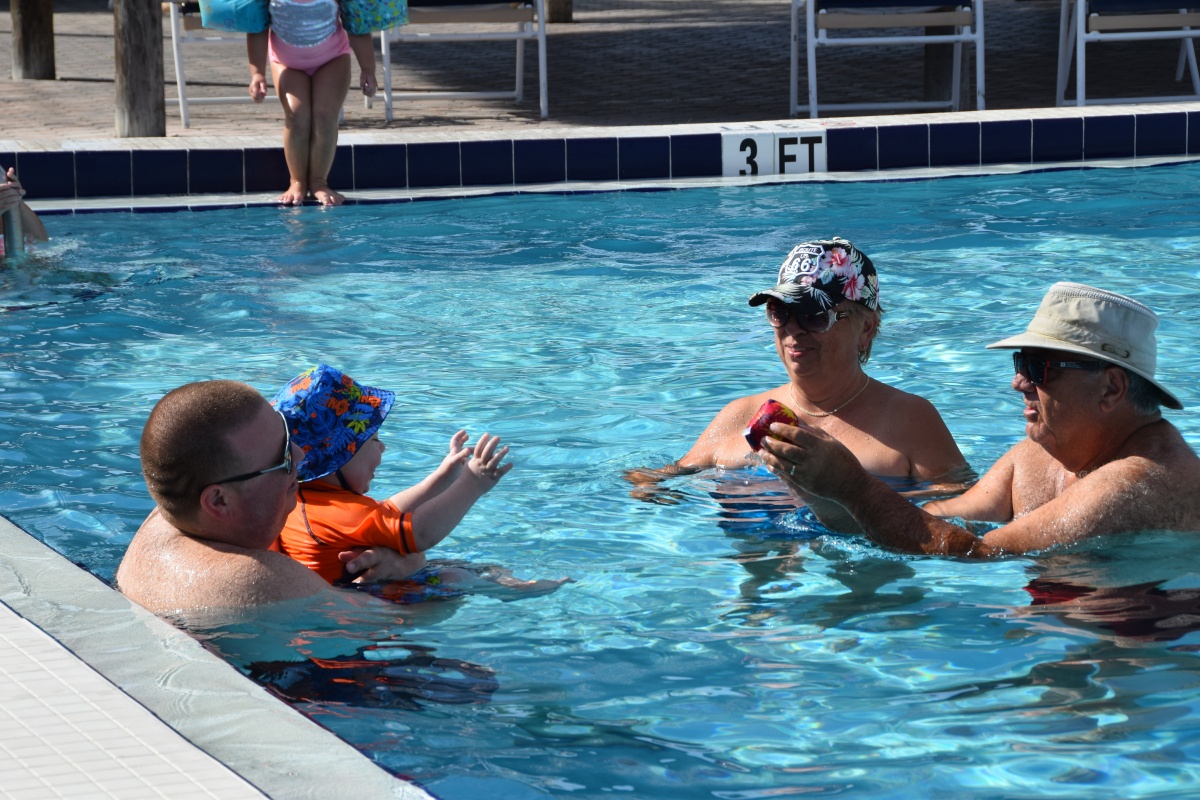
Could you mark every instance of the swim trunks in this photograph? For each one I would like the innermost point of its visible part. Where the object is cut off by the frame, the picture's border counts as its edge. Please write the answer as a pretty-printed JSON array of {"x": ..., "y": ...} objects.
[{"x": 306, "y": 35}]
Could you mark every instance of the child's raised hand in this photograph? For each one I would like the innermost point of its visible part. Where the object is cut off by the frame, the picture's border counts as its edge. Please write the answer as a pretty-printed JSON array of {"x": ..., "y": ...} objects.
[{"x": 485, "y": 464}]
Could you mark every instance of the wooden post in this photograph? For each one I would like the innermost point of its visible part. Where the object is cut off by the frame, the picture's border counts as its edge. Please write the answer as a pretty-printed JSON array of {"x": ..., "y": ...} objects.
[
  {"x": 140, "y": 99},
  {"x": 558, "y": 10},
  {"x": 32, "y": 40}
]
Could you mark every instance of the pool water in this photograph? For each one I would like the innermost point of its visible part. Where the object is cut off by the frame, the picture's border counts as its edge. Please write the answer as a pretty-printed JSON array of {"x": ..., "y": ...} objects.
[{"x": 713, "y": 642}]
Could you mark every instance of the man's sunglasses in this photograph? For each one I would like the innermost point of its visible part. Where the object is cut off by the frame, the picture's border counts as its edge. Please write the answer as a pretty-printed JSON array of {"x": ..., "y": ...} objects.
[
  {"x": 1036, "y": 369},
  {"x": 778, "y": 315},
  {"x": 286, "y": 465}
]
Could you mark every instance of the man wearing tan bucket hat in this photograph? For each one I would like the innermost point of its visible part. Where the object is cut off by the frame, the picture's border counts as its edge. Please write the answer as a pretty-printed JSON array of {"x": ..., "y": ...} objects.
[{"x": 1098, "y": 457}]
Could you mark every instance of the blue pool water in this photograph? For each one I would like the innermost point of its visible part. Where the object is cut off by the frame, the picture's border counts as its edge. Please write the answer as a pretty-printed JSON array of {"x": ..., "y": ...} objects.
[{"x": 712, "y": 645}]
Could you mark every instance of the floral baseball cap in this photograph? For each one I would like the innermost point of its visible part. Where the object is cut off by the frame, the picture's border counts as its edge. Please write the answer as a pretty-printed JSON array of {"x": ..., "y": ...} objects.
[
  {"x": 330, "y": 415},
  {"x": 819, "y": 275}
]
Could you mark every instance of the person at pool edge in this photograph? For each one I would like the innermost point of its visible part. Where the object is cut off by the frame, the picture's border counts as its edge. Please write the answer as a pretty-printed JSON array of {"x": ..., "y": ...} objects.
[
  {"x": 11, "y": 193},
  {"x": 1098, "y": 457},
  {"x": 221, "y": 466},
  {"x": 824, "y": 310}
]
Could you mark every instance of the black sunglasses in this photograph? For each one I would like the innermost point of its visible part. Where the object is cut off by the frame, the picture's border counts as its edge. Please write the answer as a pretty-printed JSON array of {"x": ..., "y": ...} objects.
[
  {"x": 286, "y": 466},
  {"x": 1036, "y": 369},
  {"x": 778, "y": 315}
]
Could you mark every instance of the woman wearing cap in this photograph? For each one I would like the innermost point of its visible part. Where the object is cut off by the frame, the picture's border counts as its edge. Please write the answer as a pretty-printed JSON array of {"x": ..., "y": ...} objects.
[{"x": 824, "y": 311}]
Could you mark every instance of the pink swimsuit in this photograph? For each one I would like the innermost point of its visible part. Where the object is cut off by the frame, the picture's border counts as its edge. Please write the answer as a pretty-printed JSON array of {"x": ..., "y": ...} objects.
[{"x": 306, "y": 34}]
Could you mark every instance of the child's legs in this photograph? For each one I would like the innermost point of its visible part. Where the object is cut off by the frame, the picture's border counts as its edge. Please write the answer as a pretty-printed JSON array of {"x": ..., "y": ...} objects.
[
  {"x": 330, "y": 84},
  {"x": 294, "y": 88}
]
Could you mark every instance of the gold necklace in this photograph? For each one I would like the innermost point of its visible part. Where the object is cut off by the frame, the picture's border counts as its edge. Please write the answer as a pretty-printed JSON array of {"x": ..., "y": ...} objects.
[{"x": 802, "y": 410}]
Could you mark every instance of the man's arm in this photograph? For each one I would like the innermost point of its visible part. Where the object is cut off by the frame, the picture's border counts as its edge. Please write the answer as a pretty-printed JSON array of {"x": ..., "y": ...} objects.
[
  {"x": 990, "y": 499},
  {"x": 813, "y": 463},
  {"x": 1127, "y": 494}
]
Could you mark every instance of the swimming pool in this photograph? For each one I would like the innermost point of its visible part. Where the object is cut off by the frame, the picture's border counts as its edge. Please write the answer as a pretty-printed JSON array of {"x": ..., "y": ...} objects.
[{"x": 713, "y": 645}]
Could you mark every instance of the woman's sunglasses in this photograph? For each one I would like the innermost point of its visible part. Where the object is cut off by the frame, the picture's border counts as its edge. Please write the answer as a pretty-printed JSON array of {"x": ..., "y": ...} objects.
[
  {"x": 778, "y": 315},
  {"x": 1036, "y": 369}
]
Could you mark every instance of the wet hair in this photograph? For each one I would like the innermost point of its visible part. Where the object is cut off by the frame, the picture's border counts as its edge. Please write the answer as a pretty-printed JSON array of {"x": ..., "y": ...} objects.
[
  {"x": 1144, "y": 396},
  {"x": 859, "y": 311},
  {"x": 185, "y": 445}
]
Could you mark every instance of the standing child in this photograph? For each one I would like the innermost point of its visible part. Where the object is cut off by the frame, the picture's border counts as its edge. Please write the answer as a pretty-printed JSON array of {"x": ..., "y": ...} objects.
[
  {"x": 335, "y": 421},
  {"x": 310, "y": 62}
]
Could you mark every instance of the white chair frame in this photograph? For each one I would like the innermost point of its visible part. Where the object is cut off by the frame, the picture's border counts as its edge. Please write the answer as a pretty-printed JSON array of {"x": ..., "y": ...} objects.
[
  {"x": 182, "y": 31},
  {"x": 968, "y": 23},
  {"x": 530, "y": 24},
  {"x": 1077, "y": 28}
]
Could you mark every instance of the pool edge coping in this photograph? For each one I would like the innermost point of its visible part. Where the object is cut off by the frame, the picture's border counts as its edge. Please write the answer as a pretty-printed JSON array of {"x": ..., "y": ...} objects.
[{"x": 100, "y": 627}]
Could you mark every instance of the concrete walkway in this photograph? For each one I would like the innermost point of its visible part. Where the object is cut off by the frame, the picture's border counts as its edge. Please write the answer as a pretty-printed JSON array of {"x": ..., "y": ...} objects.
[{"x": 621, "y": 62}]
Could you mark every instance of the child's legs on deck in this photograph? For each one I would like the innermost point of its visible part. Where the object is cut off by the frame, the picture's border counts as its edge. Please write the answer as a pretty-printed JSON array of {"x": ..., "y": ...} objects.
[
  {"x": 330, "y": 83},
  {"x": 294, "y": 88}
]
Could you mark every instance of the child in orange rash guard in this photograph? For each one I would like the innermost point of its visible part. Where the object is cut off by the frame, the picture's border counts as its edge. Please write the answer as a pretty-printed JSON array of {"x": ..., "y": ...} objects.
[{"x": 336, "y": 420}]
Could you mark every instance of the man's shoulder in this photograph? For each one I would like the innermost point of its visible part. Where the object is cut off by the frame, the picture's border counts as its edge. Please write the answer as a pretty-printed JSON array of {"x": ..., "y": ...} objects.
[
  {"x": 166, "y": 570},
  {"x": 1162, "y": 444}
]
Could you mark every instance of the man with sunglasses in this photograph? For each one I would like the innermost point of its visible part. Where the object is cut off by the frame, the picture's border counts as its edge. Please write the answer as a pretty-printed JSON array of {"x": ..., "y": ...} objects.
[
  {"x": 1098, "y": 456},
  {"x": 220, "y": 464},
  {"x": 824, "y": 312}
]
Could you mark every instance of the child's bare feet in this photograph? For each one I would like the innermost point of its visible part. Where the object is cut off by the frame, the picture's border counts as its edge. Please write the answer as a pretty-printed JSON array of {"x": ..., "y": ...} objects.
[
  {"x": 295, "y": 194},
  {"x": 326, "y": 196}
]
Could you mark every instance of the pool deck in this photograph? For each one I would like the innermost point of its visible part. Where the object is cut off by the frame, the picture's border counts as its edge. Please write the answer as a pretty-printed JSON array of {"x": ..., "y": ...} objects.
[
  {"x": 619, "y": 63},
  {"x": 99, "y": 698}
]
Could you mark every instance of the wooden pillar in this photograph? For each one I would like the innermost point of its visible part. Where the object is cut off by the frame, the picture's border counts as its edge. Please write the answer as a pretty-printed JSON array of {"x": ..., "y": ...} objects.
[
  {"x": 558, "y": 10},
  {"x": 32, "y": 40},
  {"x": 140, "y": 100}
]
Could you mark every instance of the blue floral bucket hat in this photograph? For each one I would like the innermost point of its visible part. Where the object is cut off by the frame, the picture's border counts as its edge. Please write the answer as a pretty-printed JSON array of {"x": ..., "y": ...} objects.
[
  {"x": 819, "y": 275},
  {"x": 331, "y": 415}
]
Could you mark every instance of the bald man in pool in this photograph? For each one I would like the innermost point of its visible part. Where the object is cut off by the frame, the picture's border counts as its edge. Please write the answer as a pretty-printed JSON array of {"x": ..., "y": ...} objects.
[
  {"x": 220, "y": 464},
  {"x": 1098, "y": 457}
]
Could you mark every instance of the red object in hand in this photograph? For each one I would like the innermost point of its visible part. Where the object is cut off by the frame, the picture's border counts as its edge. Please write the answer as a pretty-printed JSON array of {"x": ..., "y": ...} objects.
[{"x": 760, "y": 423}]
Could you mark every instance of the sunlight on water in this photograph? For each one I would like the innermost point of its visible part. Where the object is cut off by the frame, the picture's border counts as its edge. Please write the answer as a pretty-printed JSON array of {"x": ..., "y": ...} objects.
[{"x": 714, "y": 644}]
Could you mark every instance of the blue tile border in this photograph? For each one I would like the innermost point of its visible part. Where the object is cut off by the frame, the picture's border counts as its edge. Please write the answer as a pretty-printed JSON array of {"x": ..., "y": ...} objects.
[
  {"x": 903, "y": 146},
  {"x": 487, "y": 163},
  {"x": 104, "y": 173},
  {"x": 644, "y": 158},
  {"x": 434, "y": 164},
  {"x": 1161, "y": 134},
  {"x": 1058, "y": 139},
  {"x": 157, "y": 172},
  {"x": 1006, "y": 142},
  {"x": 630, "y": 154},
  {"x": 1109, "y": 137},
  {"x": 955, "y": 144},
  {"x": 852, "y": 149},
  {"x": 383, "y": 166},
  {"x": 540, "y": 160},
  {"x": 593, "y": 159}
]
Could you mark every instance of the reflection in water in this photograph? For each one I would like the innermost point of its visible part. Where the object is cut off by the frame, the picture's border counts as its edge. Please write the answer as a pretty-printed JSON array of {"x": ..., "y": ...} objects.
[
  {"x": 391, "y": 675},
  {"x": 51, "y": 275}
]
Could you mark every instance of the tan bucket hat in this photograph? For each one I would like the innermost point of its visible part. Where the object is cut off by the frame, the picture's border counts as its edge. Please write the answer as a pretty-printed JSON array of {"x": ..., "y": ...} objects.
[{"x": 1107, "y": 326}]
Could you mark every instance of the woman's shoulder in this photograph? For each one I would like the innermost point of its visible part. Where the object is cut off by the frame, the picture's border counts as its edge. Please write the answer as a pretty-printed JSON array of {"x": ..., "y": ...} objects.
[{"x": 904, "y": 402}]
